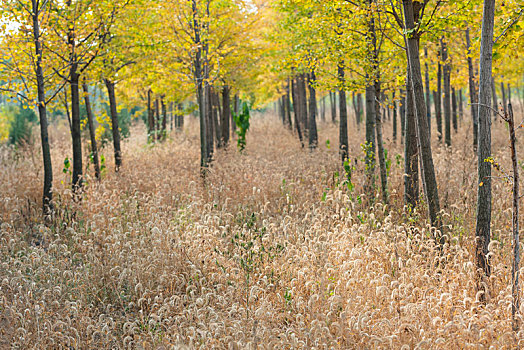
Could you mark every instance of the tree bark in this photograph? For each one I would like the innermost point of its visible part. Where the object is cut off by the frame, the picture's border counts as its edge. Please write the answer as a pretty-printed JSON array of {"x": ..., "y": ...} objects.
[
  {"x": 92, "y": 133},
  {"x": 454, "y": 117},
  {"x": 288, "y": 107},
  {"x": 226, "y": 114},
  {"x": 343, "y": 125},
  {"x": 483, "y": 225},
  {"x": 411, "y": 161},
  {"x": 370, "y": 140},
  {"x": 333, "y": 104},
  {"x": 472, "y": 92},
  {"x": 438, "y": 100},
  {"x": 312, "y": 123},
  {"x": 447, "y": 91},
  {"x": 402, "y": 111},
  {"x": 395, "y": 122},
  {"x": 47, "y": 196},
  {"x": 199, "y": 78},
  {"x": 428, "y": 92},
  {"x": 515, "y": 220},
  {"x": 114, "y": 123},
  {"x": 428, "y": 169},
  {"x": 75, "y": 127},
  {"x": 150, "y": 118}
]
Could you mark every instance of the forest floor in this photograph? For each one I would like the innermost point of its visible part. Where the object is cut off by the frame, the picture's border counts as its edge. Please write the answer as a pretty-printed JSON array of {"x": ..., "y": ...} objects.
[{"x": 273, "y": 250}]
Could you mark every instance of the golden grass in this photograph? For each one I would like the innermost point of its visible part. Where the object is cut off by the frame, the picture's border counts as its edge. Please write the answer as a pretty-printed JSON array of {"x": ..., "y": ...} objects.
[{"x": 153, "y": 257}]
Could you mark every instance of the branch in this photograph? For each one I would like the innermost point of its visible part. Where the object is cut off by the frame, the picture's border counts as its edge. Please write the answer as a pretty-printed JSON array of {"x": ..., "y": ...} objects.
[{"x": 509, "y": 26}]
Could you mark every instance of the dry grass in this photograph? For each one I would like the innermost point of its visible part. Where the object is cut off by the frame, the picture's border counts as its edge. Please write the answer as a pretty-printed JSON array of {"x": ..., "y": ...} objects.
[{"x": 253, "y": 258}]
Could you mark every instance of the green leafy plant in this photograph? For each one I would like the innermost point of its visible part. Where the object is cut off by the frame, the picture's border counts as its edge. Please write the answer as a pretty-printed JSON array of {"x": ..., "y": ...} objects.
[{"x": 242, "y": 122}]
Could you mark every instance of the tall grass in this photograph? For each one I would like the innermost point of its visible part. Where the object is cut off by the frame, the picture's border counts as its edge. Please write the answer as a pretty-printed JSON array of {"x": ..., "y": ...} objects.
[{"x": 271, "y": 251}]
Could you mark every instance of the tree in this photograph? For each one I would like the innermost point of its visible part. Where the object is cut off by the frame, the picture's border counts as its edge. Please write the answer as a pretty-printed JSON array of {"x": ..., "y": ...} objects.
[
  {"x": 411, "y": 15},
  {"x": 483, "y": 225}
]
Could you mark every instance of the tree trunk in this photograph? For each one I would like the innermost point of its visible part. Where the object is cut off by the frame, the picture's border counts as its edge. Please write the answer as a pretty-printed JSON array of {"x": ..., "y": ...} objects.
[
  {"x": 370, "y": 141},
  {"x": 454, "y": 117},
  {"x": 92, "y": 133},
  {"x": 428, "y": 169},
  {"x": 302, "y": 100},
  {"x": 494, "y": 96},
  {"x": 483, "y": 226},
  {"x": 164, "y": 119},
  {"x": 403, "y": 101},
  {"x": 179, "y": 119},
  {"x": 150, "y": 117},
  {"x": 504, "y": 101},
  {"x": 215, "y": 111},
  {"x": 438, "y": 100},
  {"x": 343, "y": 125},
  {"x": 226, "y": 114},
  {"x": 157, "y": 119},
  {"x": 472, "y": 92},
  {"x": 199, "y": 76},
  {"x": 236, "y": 105},
  {"x": 75, "y": 128},
  {"x": 288, "y": 107},
  {"x": 380, "y": 145},
  {"x": 394, "y": 118},
  {"x": 333, "y": 101},
  {"x": 296, "y": 109},
  {"x": 461, "y": 106},
  {"x": 447, "y": 91},
  {"x": 114, "y": 123},
  {"x": 42, "y": 112},
  {"x": 515, "y": 221},
  {"x": 312, "y": 123},
  {"x": 411, "y": 161},
  {"x": 428, "y": 92}
]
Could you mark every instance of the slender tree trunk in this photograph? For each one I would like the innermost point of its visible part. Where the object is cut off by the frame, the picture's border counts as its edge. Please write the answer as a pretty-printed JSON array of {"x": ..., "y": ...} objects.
[
  {"x": 333, "y": 103},
  {"x": 114, "y": 123},
  {"x": 92, "y": 133},
  {"x": 313, "y": 137},
  {"x": 411, "y": 161},
  {"x": 236, "y": 105},
  {"x": 504, "y": 101},
  {"x": 394, "y": 118},
  {"x": 472, "y": 92},
  {"x": 157, "y": 119},
  {"x": 370, "y": 140},
  {"x": 288, "y": 107},
  {"x": 438, "y": 101},
  {"x": 483, "y": 226},
  {"x": 164, "y": 119},
  {"x": 75, "y": 128},
  {"x": 403, "y": 101},
  {"x": 380, "y": 145},
  {"x": 150, "y": 117},
  {"x": 47, "y": 196},
  {"x": 199, "y": 76},
  {"x": 302, "y": 100},
  {"x": 428, "y": 92},
  {"x": 461, "y": 106},
  {"x": 343, "y": 125},
  {"x": 447, "y": 91},
  {"x": 226, "y": 114},
  {"x": 428, "y": 169},
  {"x": 494, "y": 96},
  {"x": 454, "y": 117},
  {"x": 515, "y": 220},
  {"x": 215, "y": 111}
]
